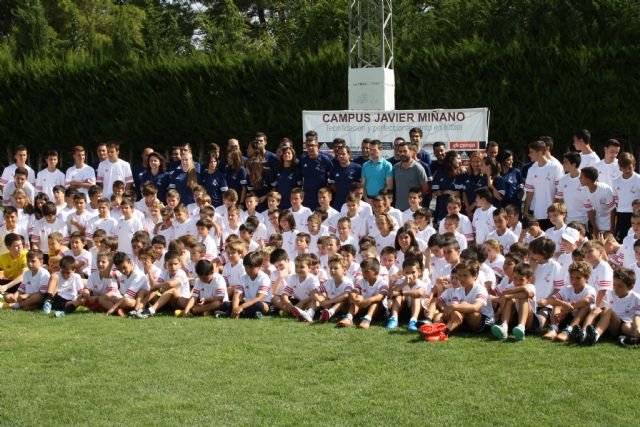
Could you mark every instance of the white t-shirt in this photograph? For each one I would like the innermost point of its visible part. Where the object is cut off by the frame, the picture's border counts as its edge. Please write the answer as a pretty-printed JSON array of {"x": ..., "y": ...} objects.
[
  {"x": 477, "y": 293},
  {"x": 573, "y": 194},
  {"x": 367, "y": 290},
  {"x": 84, "y": 257},
  {"x": 211, "y": 248},
  {"x": 626, "y": 191},
  {"x": 47, "y": 180},
  {"x": 626, "y": 308},
  {"x": 109, "y": 225},
  {"x": 465, "y": 227},
  {"x": 85, "y": 174},
  {"x": 602, "y": 202},
  {"x": 130, "y": 286},
  {"x": 31, "y": 284},
  {"x": 70, "y": 288},
  {"x": 215, "y": 288},
  {"x": 125, "y": 231},
  {"x": 21, "y": 230},
  {"x": 542, "y": 181},
  {"x": 384, "y": 241},
  {"x": 626, "y": 254},
  {"x": 364, "y": 209},
  {"x": 10, "y": 188},
  {"x": 497, "y": 265},
  {"x": 483, "y": 223},
  {"x": 548, "y": 278},
  {"x": 507, "y": 239},
  {"x": 587, "y": 160},
  {"x": 556, "y": 235},
  {"x": 43, "y": 229},
  {"x": 83, "y": 219},
  {"x": 251, "y": 288},
  {"x": 101, "y": 286},
  {"x": 9, "y": 173},
  {"x": 332, "y": 290},
  {"x": 607, "y": 172},
  {"x": 294, "y": 288},
  {"x": 568, "y": 294},
  {"x": 601, "y": 278},
  {"x": 301, "y": 217},
  {"x": 109, "y": 172},
  {"x": 233, "y": 274},
  {"x": 183, "y": 288}
]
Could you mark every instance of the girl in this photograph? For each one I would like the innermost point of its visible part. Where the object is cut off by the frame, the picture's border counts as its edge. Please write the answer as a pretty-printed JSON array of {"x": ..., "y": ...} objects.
[
  {"x": 40, "y": 200},
  {"x": 514, "y": 183},
  {"x": 472, "y": 181},
  {"x": 22, "y": 204},
  {"x": 405, "y": 240},
  {"x": 259, "y": 181},
  {"x": 102, "y": 291},
  {"x": 493, "y": 181},
  {"x": 445, "y": 183},
  {"x": 236, "y": 174},
  {"x": 288, "y": 231},
  {"x": 185, "y": 178},
  {"x": 214, "y": 181},
  {"x": 198, "y": 193},
  {"x": 287, "y": 176},
  {"x": 495, "y": 259},
  {"x": 157, "y": 174},
  {"x": 384, "y": 234}
]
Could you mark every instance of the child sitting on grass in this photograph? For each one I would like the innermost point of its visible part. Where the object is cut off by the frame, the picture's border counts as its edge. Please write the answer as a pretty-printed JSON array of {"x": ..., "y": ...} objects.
[
  {"x": 522, "y": 296},
  {"x": 297, "y": 295},
  {"x": 101, "y": 292},
  {"x": 35, "y": 281},
  {"x": 407, "y": 296},
  {"x": 173, "y": 283},
  {"x": 209, "y": 292},
  {"x": 332, "y": 296},
  {"x": 252, "y": 298},
  {"x": 368, "y": 295},
  {"x": 64, "y": 289}
]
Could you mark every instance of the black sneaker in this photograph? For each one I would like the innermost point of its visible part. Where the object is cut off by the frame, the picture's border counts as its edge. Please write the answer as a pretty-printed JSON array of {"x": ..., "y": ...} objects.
[
  {"x": 591, "y": 336},
  {"x": 577, "y": 334}
]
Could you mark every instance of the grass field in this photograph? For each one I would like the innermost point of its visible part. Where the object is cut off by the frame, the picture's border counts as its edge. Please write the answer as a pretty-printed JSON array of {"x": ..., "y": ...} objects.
[{"x": 91, "y": 370}]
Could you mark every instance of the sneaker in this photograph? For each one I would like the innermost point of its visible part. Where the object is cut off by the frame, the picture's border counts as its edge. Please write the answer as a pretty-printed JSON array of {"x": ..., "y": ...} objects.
[
  {"x": 345, "y": 323},
  {"x": 297, "y": 312},
  {"x": 139, "y": 314},
  {"x": 5, "y": 305},
  {"x": 82, "y": 309},
  {"x": 591, "y": 336},
  {"x": 551, "y": 335},
  {"x": 178, "y": 313},
  {"x": 219, "y": 313},
  {"x": 259, "y": 315},
  {"x": 437, "y": 337},
  {"x": 134, "y": 313},
  {"x": 46, "y": 307},
  {"x": 518, "y": 332},
  {"x": 499, "y": 331},
  {"x": 364, "y": 323},
  {"x": 577, "y": 334},
  {"x": 413, "y": 327},
  {"x": 58, "y": 314},
  {"x": 306, "y": 316},
  {"x": 628, "y": 341},
  {"x": 282, "y": 313},
  {"x": 324, "y": 316},
  {"x": 392, "y": 323},
  {"x": 564, "y": 336}
]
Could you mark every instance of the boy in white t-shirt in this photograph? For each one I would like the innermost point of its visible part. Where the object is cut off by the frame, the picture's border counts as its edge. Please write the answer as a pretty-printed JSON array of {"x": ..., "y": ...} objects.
[
  {"x": 126, "y": 227},
  {"x": 80, "y": 176},
  {"x": 599, "y": 201},
  {"x": 49, "y": 223},
  {"x": 332, "y": 296},
  {"x": 64, "y": 289},
  {"x": 297, "y": 295},
  {"x": 547, "y": 278},
  {"x": 522, "y": 297},
  {"x": 233, "y": 270},
  {"x": 502, "y": 233},
  {"x": 570, "y": 191},
  {"x": 173, "y": 283},
  {"x": 209, "y": 292},
  {"x": 252, "y": 298},
  {"x": 102, "y": 221},
  {"x": 79, "y": 219},
  {"x": 608, "y": 168},
  {"x": 454, "y": 206},
  {"x": 50, "y": 176},
  {"x": 368, "y": 296},
  {"x": 300, "y": 212},
  {"x": 415, "y": 203},
  {"x": 35, "y": 282},
  {"x": 483, "y": 216},
  {"x": 407, "y": 296},
  {"x": 531, "y": 229},
  {"x": 626, "y": 189},
  {"x": 621, "y": 317},
  {"x": 582, "y": 143},
  {"x": 8, "y": 173},
  {"x": 133, "y": 286},
  {"x": 542, "y": 179},
  {"x": 114, "y": 169}
]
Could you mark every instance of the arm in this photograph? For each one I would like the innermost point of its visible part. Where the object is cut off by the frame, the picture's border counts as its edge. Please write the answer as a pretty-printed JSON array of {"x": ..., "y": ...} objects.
[
  {"x": 527, "y": 201},
  {"x": 518, "y": 293},
  {"x": 115, "y": 306},
  {"x": 18, "y": 280},
  {"x": 190, "y": 304},
  {"x": 592, "y": 221},
  {"x": 249, "y": 303},
  {"x": 466, "y": 308},
  {"x": 389, "y": 183}
]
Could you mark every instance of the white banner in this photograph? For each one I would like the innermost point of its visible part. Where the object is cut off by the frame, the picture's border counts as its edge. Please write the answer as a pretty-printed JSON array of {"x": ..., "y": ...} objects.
[{"x": 463, "y": 130}]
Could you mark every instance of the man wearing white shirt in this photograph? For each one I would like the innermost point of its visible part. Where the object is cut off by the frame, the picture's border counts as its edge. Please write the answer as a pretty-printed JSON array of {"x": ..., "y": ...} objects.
[
  {"x": 114, "y": 169},
  {"x": 50, "y": 176},
  {"x": 582, "y": 143},
  {"x": 21, "y": 162},
  {"x": 600, "y": 202},
  {"x": 626, "y": 189},
  {"x": 542, "y": 180},
  {"x": 608, "y": 168},
  {"x": 80, "y": 176},
  {"x": 570, "y": 191}
]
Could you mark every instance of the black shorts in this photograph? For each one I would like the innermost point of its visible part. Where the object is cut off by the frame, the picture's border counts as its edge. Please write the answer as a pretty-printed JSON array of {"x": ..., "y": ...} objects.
[
  {"x": 59, "y": 303},
  {"x": 485, "y": 324},
  {"x": 544, "y": 312}
]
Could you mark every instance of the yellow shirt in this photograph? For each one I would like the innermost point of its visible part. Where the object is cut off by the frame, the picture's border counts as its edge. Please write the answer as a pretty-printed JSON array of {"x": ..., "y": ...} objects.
[{"x": 12, "y": 268}]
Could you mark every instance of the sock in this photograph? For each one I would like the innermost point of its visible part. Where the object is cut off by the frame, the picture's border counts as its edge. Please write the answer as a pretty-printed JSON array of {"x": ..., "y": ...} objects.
[
  {"x": 428, "y": 319},
  {"x": 15, "y": 305},
  {"x": 415, "y": 319},
  {"x": 521, "y": 326},
  {"x": 597, "y": 336},
  {"x": 367, "y": 317},
  {"x": 331, "y": 313},
  {"x": 350, "y": 316},
  {"x": 554, "y": 328},
  {"x": 311, "y": 312},
  {"x": 151, "y": 310}
]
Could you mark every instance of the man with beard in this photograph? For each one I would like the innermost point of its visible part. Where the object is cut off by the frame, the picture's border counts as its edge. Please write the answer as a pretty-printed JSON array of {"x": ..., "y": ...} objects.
[{"x": 407, "y": 173}]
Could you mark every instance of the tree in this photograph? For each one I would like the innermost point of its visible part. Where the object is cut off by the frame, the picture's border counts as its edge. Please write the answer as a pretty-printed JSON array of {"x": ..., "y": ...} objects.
[{"x": 31, "y": 34}]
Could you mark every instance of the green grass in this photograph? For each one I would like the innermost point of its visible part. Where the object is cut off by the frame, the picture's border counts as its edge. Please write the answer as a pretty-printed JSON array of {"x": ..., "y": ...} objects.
[{"x": 88, "y": 369}]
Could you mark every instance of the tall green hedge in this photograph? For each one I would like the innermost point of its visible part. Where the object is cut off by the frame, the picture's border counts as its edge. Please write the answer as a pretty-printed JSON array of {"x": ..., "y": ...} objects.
[{"x": 530, "y": 91}]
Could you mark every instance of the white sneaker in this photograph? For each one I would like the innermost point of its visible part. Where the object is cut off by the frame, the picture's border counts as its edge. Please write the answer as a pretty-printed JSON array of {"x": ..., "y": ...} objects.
[{"x": 306, "y": 316}]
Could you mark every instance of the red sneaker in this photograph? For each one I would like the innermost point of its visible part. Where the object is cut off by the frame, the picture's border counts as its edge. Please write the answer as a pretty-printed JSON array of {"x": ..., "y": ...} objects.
[{"x": 437, "y": 337}]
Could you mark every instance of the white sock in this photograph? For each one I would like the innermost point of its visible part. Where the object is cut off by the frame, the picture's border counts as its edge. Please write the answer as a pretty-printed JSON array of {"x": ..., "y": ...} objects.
[
  {"x": 597, "y": 336},
  {"x": 151, "y": 310},
  {"x": 521, "y": 326},
  {"x": 350, "y": 316},
  {"x": 367, "y": 317},
  {"x": 331, "y": 313},
  {"x": 311, "y": 312},
  {"x": 415, "y": 319}
]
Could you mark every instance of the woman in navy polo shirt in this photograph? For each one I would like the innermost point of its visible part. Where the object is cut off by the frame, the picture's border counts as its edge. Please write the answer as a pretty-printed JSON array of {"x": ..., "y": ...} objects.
[
  {"x": 236, "y": 174},
  {"x": 287, "y": 176},
  {"x": 472, "y": 180},
  {"x": 184, "y": 178},
  {"x": 514, "y": 182},
  {"x": 493, "y": 180},
  {"x": 213, "y": 180},
  {"x": 157, "y": 174},
  {"x": 259, "y": 182}
]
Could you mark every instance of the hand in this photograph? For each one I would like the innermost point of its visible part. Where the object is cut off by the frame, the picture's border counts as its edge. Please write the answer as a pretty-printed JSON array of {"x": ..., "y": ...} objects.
[{"x": 187, "y": 314}]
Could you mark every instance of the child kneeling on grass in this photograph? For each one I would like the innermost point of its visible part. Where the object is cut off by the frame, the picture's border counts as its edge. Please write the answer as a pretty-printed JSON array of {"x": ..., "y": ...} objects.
[
  {"x": 571, "y": 304},
  {"x": 133, "y": 286},
  {"x": 64, "y": 289},
  {"x": 469, "y": 302},
  {"x": 252, "y": 298},
  {"x": 406, "y": 297},
  {"x": 35, "y": 281},
  {"x": 368, "y": 296},
  {"x": 621, "y": 315},
  {"x": 522, "y": 296},
  {"x": 209, "y": 292},
  {"x": 333, "y": 295}
]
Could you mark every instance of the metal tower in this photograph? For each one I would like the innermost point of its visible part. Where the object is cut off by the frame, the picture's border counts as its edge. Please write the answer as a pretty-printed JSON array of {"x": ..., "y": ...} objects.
[{"x": 371, "y": 77}]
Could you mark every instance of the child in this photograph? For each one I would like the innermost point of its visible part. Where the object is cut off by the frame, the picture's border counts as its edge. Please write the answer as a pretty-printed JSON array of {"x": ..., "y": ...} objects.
[
  {"x": 531, "y": 229},
  {"x": 173, "y": 283},
  {"x": 102, "y": 221},
  {"x": 79, "y": 254},
  {"x": 557, "y": 213},
  {"x": 324, "y": 200},
  {"x": 389, "y": 262},
  {"x": 79, "y": 219},
  {"x": 11, "y": 225},
  {"x": 344, "y": 232},
  {"x": 252, "y": 298},
  {"x": 621, "y": 317},
  {"x": 299, "y": 212},
  {"x": 569, "y": 240},
  {"x": 133, "y": 286},
  {"x": 502, "y": 234},
  {"x": 288, "y": 224},
  {"x": 469, "y": 303},
  {"x": 80, "y": 176},
  {"x": 165, "y": 229},
  {"x": 571, "y": 304},
  {"x": 368, "y": 296},
  {"x": 422, "y": 217},
  {"x": 126, "y": 227},
  {"x": 626, "y": 189},
  {"x": 64, "y": 289},
  {"x": 348, "y": 252},
  {"x": 233, "y": 270},
  {"x": 101, "y": 292},
  {"x": 384, "y": 234},
  {"x": 358, "y": 222},
  {"x": 415, "y": 203},
  {"x": 600, "y": 279},
  {"x": 513, "y": 219},
  {"x": 113, "y": 169},
  {"x": 570, "y": 191},
  {"x": 204, "y": 227},
  {"x": 454, "y": 206},
  {"x": 599, "y": 201},
  {"x": 436, "y": 260},
  {"x": 20, "y": 182},
  {"x": 523, "y": 296},
  {"x": 407, "y": 296},
  {"x": 50, "y": 176},
  {"x": 297, "y": 295},
  {"x": 495, "y": 259},
  {"x": 332, "y": 296},
  {"x": 34, "y": 285},
  {"x": 510, "y": 262},
  {"x": 303, "y": 240},
  {"x": 451, "y": 222},
  {"x": 12, "y": 263},
  {"x": 483, "y": 217},
  {"x": 209, "y": 292},
  {"x": 232, "y": 225},
  {"x": 181, "y": 224},
  {"x": 56, "y": 251},
  {"x": 626, "y": 254},
  {"x": 547, "y": 278}
]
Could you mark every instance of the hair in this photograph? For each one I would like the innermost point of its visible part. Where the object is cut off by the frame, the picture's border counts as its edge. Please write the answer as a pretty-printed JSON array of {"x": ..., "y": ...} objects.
[
  {"x": 493, "y": 244},
  {"x": 543, "y": 246},
  {"x": 538, "y": 146},
  {"x": 67, "y": 263},
  {"x": 626, "y": 159},
  {"x": 524, "y": 270},
  {"x": 473, "y": 267},
  {"x": 255, "y": 170},
  {"x": 171, "y": 255},
  {"x": 338, "y": 259},
  {"x": 529, "y": 221},
  {"x": 494, "y": 166},
  {"x": 626, "y": 276},
  {"x": 172, "y": 192},
  {"x": 253, "y": 259},
  {"x": 573, "y": 157},
  {"x": 483, "y": 193},
  {"x": 581, "y": 268},
  {"x": 10, "y": 238},
  {"x": 590, "y": 173},
  {"x": 35, "y": 253},
  {"x": 584, "y": 135},
  {"x": 500, "y": 213},
  {"x": 411, "y": 262},
  {"x": 77, "y": 235},
  {"x": 413, "y": 242},
  {"x": 595, "y": 245},
  {"x": 514, "y": 258},
  {"x": 56, "y": 236},
  {"x": 520, "y": 249},
  {"x": 163, "y": 161},
  {"x": 453, "y": 218},
  {"x": 204, "y": 267}
]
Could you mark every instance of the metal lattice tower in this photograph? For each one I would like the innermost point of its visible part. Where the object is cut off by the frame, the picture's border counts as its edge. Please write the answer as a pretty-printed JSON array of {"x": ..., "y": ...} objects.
[{"x": 370, "y": 34}]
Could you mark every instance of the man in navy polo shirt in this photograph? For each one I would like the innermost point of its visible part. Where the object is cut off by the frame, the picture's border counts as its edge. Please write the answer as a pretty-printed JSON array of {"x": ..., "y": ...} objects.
[
  {"x": 343, "y": 173},
  {"x": 377, "y": 173},
  {"x": 314, "y": 167}
]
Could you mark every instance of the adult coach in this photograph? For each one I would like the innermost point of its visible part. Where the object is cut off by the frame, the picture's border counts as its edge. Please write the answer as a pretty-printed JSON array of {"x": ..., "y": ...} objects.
[
  {"x": 407, "y": 174},
  {"x": 314, "y": 168},
  {"x": 377, "y": 173}
]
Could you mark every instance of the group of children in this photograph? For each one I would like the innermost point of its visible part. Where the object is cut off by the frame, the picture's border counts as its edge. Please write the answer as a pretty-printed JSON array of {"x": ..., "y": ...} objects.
[{"x": 494, "y": 272}]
